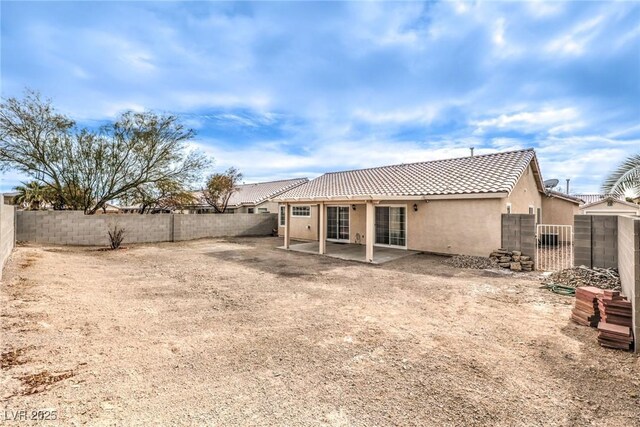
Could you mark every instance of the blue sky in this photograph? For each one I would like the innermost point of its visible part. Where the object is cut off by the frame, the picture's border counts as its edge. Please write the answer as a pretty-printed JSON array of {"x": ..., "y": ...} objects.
[{"x": 297, "y": 89}]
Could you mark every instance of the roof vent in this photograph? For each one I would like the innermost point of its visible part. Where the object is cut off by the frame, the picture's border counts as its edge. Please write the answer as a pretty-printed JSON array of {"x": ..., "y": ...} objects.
[{"x": 471, "y": 149}]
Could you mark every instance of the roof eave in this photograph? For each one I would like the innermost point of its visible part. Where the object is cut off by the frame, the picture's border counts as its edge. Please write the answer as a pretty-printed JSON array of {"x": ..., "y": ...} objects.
[{"x": 374, "y": 197}]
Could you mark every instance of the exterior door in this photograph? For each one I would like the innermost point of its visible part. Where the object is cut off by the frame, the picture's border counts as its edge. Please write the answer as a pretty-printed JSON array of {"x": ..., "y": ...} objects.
[
  {"x": 338, "y": 223},
  {"x": 391, "y": 226}
]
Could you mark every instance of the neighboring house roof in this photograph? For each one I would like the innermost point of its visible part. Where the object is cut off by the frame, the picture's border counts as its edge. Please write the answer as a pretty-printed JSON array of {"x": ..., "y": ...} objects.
[
  {"x": 490, "y": 174},
  {"x": 254, "y": 194},
  {"x": 594, "y": 197},
  {"x": 564, "y": 196},
  {"x": 611, "y": 199}
]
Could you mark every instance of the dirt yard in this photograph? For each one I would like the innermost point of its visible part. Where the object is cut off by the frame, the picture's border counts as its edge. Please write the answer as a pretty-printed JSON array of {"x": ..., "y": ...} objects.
[{"x": 236, "y": 332}]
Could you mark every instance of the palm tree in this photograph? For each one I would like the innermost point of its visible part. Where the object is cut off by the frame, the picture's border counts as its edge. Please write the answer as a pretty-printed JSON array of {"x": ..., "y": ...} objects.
[
  {"x": 624, "y": 179},
  {"x": 32, "y": 196}
]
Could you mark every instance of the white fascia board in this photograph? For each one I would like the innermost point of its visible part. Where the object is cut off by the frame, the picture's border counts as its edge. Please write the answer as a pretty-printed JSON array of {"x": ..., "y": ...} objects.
[{"x": 378, "y": 197}]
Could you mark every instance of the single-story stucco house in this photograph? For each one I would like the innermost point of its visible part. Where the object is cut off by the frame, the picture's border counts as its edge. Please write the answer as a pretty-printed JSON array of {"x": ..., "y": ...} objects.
[
  {"x": 251, "y": 198},
  {"x": 451, "y": 206},
  {"x": 610, "y": 206},
  {"x": 559, "y": 208}
]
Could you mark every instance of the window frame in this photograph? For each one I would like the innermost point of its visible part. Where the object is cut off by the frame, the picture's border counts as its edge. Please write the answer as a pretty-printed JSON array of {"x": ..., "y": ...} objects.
[
  {"x": 307, "y": 215},
  {"x": 282, "y": 221}
]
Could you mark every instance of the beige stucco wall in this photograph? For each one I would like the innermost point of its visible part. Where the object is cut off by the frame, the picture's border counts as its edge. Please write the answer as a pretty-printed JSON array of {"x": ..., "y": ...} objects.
[
  {"x": 302, "y": 228},
  {"x": 558, "y": 211},
  {"x": 463, "y": 226},
  {"x": 616, "y": 208},
  {"x": 524, "y": 194}
]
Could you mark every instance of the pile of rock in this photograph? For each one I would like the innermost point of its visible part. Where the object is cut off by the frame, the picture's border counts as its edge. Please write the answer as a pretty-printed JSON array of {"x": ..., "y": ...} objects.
[
  {"x": 603, "y": 278},
  {"x": 513, "y": 260}
]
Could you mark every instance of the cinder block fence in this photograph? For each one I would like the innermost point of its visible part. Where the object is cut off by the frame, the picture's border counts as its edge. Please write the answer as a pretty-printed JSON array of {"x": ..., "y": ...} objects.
[{"x": 75, "y": 228}]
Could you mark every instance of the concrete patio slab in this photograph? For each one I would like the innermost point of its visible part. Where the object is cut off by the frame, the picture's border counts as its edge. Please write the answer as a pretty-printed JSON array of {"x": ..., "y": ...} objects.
[{"x": 352, "y": 252}]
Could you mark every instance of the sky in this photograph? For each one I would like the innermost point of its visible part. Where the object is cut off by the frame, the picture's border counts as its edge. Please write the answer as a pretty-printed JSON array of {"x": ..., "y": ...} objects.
[{"x": 284, "y": 89}]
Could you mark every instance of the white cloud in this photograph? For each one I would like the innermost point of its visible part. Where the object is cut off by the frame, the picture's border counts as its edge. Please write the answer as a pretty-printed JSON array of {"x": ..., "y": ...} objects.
[
  {"x": 424, "y": 114},
  {"x": 627, "y": 37},
  {"x": 556, "y": 120},
  {"x": 575, "y": 41},
  {"x": 544, "y": 8},
  {"x": 498, "y": 32}
]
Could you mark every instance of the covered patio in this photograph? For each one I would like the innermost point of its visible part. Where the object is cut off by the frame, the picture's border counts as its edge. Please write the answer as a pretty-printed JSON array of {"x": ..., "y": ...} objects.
[
  {"x": 336, "y": 237},
  {"x": 351, "y": 252}
]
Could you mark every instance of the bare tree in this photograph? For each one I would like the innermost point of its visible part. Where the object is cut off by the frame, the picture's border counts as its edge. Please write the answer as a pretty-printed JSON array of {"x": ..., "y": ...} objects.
[
  {"x": 220, "y": 187},
  {"x": 88, "y": 168}
]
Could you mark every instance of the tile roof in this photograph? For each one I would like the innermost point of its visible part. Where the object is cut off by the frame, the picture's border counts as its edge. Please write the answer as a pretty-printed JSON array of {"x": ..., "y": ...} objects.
[
  {"x": 253, "y": 194},
  {"x": 613, "y": 198},
  {"x": 561, "y": 195},
  {"x": 484, "y": 174},
  {"x": 591, "y": 198}
]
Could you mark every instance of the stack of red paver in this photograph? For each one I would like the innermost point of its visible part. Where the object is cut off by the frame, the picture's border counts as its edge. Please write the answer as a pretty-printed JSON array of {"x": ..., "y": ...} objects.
[
  {"x": 614, "y": 329},
  {"x": 614, "y": 308},
  {"x": 615, "y": 336},
  {"x": 586, "y": 310}
]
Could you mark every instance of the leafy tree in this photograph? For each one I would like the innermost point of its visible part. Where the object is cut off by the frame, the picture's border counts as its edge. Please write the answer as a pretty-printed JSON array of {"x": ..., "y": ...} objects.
[
  {"x": 87, "y": 168},
  {"x": 220, "y": 187},
  {"x": 33, "y": 195},
  {"x": 626, "y": 178}
]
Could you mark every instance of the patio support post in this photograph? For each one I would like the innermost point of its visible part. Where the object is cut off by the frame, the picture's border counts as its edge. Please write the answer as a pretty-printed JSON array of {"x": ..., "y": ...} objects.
[
  {"x": 322, "y": 223},
  {"x": 287, "y": 217},
  {"x": 369, "y": 230}
]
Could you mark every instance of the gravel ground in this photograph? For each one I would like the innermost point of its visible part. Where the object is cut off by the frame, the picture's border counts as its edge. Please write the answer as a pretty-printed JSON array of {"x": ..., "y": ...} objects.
[
  {"x": 470, "y": 261},
  {"x": 236, "y": 332}
]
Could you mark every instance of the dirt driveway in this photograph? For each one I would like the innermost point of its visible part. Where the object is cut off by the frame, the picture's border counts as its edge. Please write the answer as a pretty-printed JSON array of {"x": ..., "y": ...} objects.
[{"x": 236, "y": 332}]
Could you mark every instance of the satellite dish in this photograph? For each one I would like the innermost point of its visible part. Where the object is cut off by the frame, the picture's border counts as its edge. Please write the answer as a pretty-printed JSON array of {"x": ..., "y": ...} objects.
[{"x": 550, "y": 183}]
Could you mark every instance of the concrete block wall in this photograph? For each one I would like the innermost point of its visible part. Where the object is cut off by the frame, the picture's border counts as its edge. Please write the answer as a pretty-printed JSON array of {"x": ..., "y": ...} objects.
[
  {"x": 519, "y": 233},
  {"x": 582, "y": 240},
  {"x": 629, "y": 267},
  {"x": 596, "y": 241},
  {"x": 189, "y": 227},
  {"x": 7, "y": 232},
  {"x": 76, "y": 228}
]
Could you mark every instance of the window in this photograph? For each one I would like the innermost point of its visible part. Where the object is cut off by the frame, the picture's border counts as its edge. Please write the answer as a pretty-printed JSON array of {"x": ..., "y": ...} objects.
[
  {"x": 263, "y": 210},
  {"x": 530, "y": 210},
  {"x": 250, "y": 210},
  {"x": 538, "y": 216},
  {"x": 508, "y": 208},
  {"x": 283, "y": 211},
  {"x": 301, "y": 211}
]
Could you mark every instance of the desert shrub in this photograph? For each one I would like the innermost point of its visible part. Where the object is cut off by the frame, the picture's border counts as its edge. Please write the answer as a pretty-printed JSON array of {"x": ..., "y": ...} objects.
[{"x": 116, "y": 236}]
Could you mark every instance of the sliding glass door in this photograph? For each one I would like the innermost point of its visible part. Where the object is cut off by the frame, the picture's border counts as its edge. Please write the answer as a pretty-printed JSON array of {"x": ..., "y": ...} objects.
[
  {"x": 338, "y": 223},
  {"x": 391, "y": 226}
]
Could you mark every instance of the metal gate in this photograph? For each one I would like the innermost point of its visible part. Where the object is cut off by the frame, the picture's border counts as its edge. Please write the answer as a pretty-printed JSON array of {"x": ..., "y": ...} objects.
[{"x": 554, "y": 247}]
